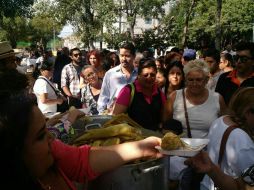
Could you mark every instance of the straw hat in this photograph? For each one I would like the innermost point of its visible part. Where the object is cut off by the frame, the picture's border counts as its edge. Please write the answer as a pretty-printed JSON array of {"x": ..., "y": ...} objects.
[{"x": 6, "y": 50}]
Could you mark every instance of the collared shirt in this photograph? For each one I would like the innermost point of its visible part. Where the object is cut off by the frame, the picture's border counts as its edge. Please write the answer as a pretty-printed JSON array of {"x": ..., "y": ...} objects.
[
  {"x": 125, "y": 94},
  {"x": 113, "y": 81},
  {"x": 70, "y": 79}
]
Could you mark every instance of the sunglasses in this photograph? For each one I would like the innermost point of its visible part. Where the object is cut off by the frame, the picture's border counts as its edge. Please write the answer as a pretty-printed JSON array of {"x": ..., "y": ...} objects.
[
  {"x": 198, "y": 80},
  {"x": 77, "y": 54},
  {"x": 243, "y": 59},
  {"x": 89, "y": 76},
  {"x": 146, "y": 75}
]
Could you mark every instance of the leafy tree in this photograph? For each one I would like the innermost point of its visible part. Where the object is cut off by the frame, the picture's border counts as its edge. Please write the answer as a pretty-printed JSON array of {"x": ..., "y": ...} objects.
[{"x": 12, "y": 8}]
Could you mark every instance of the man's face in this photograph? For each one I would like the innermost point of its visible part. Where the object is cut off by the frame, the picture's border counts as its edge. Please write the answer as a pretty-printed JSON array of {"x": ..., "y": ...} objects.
[
  {"x": 126, "y": 58},
  {"x": 76, "y": 56},
  {"x": 244, "y": 61},
  {"x": 213, "y": 65}
]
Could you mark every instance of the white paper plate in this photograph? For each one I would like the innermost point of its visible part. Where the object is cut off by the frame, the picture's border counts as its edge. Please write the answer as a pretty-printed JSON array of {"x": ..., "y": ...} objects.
[{"x": 196, "y": 144}]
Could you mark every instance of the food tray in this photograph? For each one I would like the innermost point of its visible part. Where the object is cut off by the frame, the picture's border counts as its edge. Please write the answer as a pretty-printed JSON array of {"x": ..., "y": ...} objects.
[{"x": 196, "y": 146}]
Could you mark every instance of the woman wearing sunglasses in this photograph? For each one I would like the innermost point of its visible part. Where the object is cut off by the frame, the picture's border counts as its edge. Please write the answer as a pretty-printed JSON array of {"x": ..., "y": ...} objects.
[{"x": 142, "y": 100}]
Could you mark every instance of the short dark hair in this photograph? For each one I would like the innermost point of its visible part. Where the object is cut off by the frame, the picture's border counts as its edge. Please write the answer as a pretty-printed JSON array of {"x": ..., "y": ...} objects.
[
  {"x": 146, "y": 63},
  {"x": 246, "y": 46},
  {"x": 74, "y": 49},
  {"x": 46, "y": 66},
  {"x": 128, "y": 46},
  {"x": 214, "y": 53}
]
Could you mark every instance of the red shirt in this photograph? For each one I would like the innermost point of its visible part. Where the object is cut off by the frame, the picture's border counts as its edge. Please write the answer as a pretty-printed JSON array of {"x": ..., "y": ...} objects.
[{"x": 72, "y": 162}]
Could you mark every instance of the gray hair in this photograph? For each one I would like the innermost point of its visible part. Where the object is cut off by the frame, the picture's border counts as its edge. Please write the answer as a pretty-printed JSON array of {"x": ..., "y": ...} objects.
[
  {"x": 196, "y": 65},
  {"x": 88, "y": 66}
]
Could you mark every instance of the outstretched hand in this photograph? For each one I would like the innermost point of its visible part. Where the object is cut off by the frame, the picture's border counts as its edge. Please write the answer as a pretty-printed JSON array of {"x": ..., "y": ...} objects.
[
  {"x": 148, "y": 147},
  {"x": 201, "y": 162}
]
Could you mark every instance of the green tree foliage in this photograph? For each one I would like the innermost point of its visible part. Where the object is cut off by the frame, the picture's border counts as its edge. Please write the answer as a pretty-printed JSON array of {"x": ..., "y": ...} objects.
[
  {"x": 236, "y": 22},
  {"x": 12, "y": 8}
]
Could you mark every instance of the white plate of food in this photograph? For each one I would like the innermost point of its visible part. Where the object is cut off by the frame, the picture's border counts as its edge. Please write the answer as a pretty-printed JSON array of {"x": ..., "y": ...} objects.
[{"x": 191, "y": 147}]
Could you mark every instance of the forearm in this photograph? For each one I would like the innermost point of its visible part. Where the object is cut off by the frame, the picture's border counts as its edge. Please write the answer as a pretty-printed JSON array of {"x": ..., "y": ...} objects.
[
  {"x": 103, "y": 159},
  {"x": 221, "y": 180},
  {"x": 67, "y": 91}
]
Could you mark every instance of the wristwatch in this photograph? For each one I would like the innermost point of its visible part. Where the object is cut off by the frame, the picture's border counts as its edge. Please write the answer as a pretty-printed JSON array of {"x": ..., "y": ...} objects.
[{"x": 248, "y": 176}]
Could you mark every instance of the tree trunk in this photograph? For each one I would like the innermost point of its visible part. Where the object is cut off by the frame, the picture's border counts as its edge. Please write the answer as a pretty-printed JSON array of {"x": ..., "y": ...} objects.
[
  {"x": 218, "y": 26},
  {"x": 186, "y": 23}
]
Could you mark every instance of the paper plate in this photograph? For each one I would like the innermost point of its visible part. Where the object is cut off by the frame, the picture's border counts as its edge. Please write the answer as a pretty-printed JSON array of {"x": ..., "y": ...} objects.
[{"x": 196, "y": 146}]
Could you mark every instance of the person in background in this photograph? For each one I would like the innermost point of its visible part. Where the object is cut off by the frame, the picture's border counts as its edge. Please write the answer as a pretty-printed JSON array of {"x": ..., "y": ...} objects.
[
  {"x": 161, "y": 79},
  {"x": 46, "y": 91},
  {"x": 174, "y": 78},
  {"x": 242, "y": 75},
  {"x": 188, "y": 55},
  {"x": 70, "y": 82},
  {"x": 19, "y": 68},
  {"x": 32, "y": 159},
  {"x": 94, "y": 59},
  {"x": 160, "y": 62},
  {"x": 91, "y": 91},
  {"x": 114, "y": 57},
  {"x": 226, "y": 62},
  {"x": 61, "y": 60},
  {"x": 117, "y": 77},
  {"x": 203, "y": 106},
  {"x": 147, "y": 99},
  {"x": 7, "y": 57},
  {"x": 137, "y": 59},
  {"x": 171, "y": 57},
  {"x": 203, "y": 164},
  {"x": 212, "y": 57}
]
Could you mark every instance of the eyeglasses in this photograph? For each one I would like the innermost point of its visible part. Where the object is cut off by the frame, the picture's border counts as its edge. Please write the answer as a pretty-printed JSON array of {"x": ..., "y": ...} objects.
[
  {"x": 243, "y": 59},
  {"x": 146, "y": 75},
  {"x": 77, "y": 54},
  {"x": 89, "y": 75}
]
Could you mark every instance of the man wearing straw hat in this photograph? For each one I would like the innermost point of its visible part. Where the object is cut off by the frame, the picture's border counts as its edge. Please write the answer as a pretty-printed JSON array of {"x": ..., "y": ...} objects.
[{"x": 7, "y": 57}]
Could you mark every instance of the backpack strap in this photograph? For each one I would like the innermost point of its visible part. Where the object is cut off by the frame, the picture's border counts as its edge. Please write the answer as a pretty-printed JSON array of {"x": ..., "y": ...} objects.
[
  {"x": 224, "y": 142},
  {"x": 56, "y": 92},
  {"x": 132, "y": 88}
]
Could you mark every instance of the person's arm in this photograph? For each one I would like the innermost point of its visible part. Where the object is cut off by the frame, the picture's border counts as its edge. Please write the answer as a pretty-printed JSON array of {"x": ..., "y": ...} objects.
[
  {"x": 104, "y": 96},
  {"x": 103, "y": 159},
  {"x": 45, "y": 100},
  {"x": 64, "y": 82},
  {"x": 168, "y": 107},
  {"x": 122, "y": 101},
  {"x": 203, "y": 164}
]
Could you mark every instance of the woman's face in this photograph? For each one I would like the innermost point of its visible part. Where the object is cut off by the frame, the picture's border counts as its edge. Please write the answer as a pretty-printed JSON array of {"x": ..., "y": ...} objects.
[
  {"x": 93, "y": 61},
  {"x": 90, "y": 75},
  {"x": 37, "y": 153},
  {"x": 196, "y": 81},
  {"x": 223, "y": 63},
  {"x": 147, "y": 77},
  {"x": 249, "y": 116},
  {"x": 175, "y": 76},
  {"x": 160, "y": 79}
]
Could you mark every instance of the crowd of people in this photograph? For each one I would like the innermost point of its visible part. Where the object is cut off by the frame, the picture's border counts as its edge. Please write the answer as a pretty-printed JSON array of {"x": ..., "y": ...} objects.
[{"x": 199, "y": 95}]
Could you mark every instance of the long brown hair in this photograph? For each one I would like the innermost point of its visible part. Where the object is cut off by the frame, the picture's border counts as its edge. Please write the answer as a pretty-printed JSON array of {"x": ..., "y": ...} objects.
[{"x": 241, "y": 101}]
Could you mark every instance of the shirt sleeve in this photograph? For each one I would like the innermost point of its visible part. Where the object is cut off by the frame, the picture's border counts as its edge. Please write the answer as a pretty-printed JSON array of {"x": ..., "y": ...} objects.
[
  {"x": 124, "y": 96},
  {"x": 73, "y": 161},
  {"x": 104, "y": 94},
  {"x": 64, "y": 77}
]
